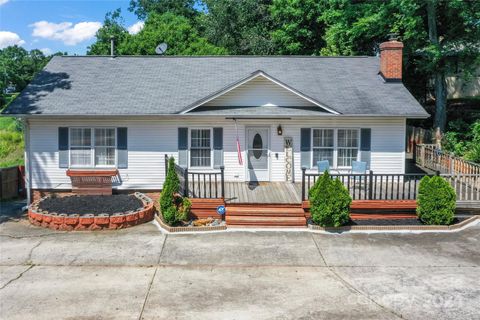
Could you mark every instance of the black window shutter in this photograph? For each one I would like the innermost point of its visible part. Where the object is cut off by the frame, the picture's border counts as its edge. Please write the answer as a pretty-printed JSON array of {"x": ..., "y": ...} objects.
[
  {"x": 305, "y": 147},
  {"x": 122, "y": 148},
  {"x": 63, "y": 147},
  {"x": 217, "y": 147},
  {"x": 183, "y": 147},
  {"x": 365, "y": 139}
]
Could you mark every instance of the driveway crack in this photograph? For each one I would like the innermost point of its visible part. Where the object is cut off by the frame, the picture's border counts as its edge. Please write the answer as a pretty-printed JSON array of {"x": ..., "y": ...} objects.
[
  {"x": 351, "y": 287},
  {"x": 18, "y": 277},
  {"x": 148, "y": 293}
]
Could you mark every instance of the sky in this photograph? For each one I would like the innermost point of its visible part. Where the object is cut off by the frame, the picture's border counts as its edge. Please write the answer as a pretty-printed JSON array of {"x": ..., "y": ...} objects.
[{"x": 58, "y": 25}]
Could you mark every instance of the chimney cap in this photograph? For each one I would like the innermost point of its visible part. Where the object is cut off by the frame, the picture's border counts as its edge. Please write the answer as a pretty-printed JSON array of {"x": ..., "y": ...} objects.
[{"x": 393, "y": 36}]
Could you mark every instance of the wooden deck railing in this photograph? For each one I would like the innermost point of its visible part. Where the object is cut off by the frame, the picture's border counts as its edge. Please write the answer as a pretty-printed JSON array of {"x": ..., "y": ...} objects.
[
  {"x": 373, "y": 186},
  {"x": 200, "y": 184},
  {"x": 430, "y": 157}
]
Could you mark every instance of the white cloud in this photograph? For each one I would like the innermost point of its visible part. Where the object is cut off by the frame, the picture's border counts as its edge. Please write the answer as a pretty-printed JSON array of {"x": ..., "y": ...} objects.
[
  {"x": 8, "y": 38},
  {"x": 46, "y": 51},
  {"x": 66, "y": 32},
  {"x": 136, "y": 27},
  {"x": 3, "y": 2}
]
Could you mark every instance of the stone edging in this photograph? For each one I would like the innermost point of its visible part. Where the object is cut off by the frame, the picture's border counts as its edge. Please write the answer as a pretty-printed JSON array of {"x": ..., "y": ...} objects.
[
  {"x": 70, "y": 222},
  {"x": 168, "y": 228},
  {"x": 396, "y": 228}
]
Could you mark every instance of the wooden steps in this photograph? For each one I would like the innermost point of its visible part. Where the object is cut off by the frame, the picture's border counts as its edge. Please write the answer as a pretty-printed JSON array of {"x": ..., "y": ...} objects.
[
  {"x": 204, "y": 208},
  {"x": 266, "y": 215}
]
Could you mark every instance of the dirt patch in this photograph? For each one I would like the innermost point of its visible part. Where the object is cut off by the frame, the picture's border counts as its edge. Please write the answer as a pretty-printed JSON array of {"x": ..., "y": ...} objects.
[{"x": 91, "y": 204}]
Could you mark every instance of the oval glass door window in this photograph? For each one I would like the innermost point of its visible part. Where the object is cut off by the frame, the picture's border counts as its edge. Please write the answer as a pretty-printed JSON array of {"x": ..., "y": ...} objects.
[{"x": 257, "y": 146}]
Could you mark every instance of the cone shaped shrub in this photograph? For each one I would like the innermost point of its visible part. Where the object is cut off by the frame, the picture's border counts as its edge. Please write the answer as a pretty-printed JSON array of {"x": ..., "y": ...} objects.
[
  {"x": 436, "y": 201},
  {"x": 329, "y": 202},
  {"x": 173, "y": 207}
]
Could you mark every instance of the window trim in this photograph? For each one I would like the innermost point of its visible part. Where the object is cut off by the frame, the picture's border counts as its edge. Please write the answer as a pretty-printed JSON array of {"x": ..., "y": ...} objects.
[
  {"x": 92, "y": 149},
  {"x": 190, "y": 147},
  {"x": 334, "y": 165}
]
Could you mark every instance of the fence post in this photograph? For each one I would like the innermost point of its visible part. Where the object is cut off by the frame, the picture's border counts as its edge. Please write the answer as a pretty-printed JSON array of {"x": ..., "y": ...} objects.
[
  {"x": 185, "y": 182},
  {"x": 303, "y": 183},
  {"x": 422, "y": 155},
  {"x": 222, "y": 178},
  {"x": 370, "y": 185},
  {"x": 166, "y": 165}
]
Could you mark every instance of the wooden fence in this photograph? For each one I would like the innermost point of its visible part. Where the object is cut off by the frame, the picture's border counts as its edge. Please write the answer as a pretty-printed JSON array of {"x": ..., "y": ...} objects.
[
  {"x": 11, "y": 182},
  {"x": 430, "y": 157}
]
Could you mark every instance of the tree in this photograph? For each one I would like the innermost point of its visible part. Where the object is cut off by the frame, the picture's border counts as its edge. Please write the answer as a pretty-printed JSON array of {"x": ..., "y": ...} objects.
[
  {"x": 298, "y": 27},
  {"x": 113, "y": 26},
  {"x": 142, "y": 8},
  {"x": 182, "y": 38},
  {"x": 18, "y": 67},
  {"x": 240, "y": 26}
]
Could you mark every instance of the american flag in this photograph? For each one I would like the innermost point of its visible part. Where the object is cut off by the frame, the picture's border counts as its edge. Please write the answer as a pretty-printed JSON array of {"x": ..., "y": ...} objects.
[{"x": 239, "y": 151}]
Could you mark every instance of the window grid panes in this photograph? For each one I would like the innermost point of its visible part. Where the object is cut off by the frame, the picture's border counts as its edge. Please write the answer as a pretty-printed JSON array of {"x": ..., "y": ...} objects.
[
  {"x": 105, "y": 147},
  {"x": 323, "y": 145},
  {"x": 347, "y": 147},
  {"x": 80, "y": 147},
  {"x": 88, "y": 145},
  {"x": 200, "y": 148}
]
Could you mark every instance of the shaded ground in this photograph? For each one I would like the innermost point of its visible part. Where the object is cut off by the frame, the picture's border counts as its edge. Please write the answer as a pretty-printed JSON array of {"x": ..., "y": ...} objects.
[{"x": 139, "y": 273}]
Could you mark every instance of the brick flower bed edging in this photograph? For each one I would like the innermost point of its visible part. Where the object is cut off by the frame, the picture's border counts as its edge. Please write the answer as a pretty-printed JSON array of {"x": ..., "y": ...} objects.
[
  {"x": 70, "y": 222},
  {"x": 168, "y": 228},
  {"x": 396, "y": 228}
]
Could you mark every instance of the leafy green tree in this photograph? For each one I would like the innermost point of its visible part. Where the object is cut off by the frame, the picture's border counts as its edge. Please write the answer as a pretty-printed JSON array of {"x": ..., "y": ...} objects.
[
  {"x": 298, "y": 26},
  {"x": 113, "y": 26},
  {"x": 17, "y": 68},
  {"x": 240, "y": 26},
  {"x": 177, "y": 31},
  {"x": 436, "y": 201},
  {"x": 142, "y": 8}
]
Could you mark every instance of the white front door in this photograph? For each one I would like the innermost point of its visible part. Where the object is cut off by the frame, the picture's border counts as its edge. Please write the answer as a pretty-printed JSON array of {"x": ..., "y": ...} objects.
[{"x": 258, "y": 154}]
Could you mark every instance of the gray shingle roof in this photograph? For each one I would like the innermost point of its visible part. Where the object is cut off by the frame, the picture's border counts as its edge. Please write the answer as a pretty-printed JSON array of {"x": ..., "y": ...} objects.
[{"x": 168, "y": 85}]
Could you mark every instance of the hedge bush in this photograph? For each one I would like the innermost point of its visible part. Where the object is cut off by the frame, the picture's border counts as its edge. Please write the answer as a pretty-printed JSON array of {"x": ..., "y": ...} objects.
[
  {"x": 174, "y": 207},
  {"x": 329, "y": 202},
  {"x": 436, "y": 201}
]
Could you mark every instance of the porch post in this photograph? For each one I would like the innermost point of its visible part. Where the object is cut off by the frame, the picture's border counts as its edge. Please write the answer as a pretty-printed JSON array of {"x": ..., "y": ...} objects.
[
  {"x": 185, "y": 181},
  {"x": 303, "y": 183},
  {"x": 370, "y": 185},
  {"x": 166, "y": 165},
  {"x": 222, "y": 178}
]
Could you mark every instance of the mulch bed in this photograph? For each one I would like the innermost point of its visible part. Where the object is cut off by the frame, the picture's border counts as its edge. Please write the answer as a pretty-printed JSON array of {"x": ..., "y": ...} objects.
[{"x": 91, "y": 204}]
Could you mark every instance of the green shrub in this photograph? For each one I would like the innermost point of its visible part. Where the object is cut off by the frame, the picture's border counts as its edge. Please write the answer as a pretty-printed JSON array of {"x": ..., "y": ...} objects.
[
  {"x": 436, "y": 201},
  {"x": 329, "y": 202},
  {"x": 174, "y": 207}
]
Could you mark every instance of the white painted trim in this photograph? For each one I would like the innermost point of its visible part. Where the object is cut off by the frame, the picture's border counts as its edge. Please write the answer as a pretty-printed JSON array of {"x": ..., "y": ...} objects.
[
  {"x": 189, "y": 166},
  {"x": 253, "y": 76},
  {"x": 334, "y": 165},
  {"x": 92, "y": 148}
]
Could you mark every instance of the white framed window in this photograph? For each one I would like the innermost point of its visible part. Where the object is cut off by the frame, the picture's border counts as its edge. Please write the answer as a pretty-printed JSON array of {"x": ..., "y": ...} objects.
[
  {"x": 347, "y": 147},
  {"x": 92, "y": 147},
  {"x": 201, "y": 148},
  {"x": 339, "y": 146},
  {"x": 323, "y": 145},
  {"x": 80, "y": 147}
]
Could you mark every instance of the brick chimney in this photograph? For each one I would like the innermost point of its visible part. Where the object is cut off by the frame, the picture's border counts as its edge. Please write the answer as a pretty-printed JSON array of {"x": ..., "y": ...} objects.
[{"x": 391, "y": 59}]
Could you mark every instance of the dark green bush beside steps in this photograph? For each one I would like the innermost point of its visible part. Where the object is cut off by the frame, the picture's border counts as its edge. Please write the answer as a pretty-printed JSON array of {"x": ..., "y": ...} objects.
[
  {"x": 329, "y": 202},
  {"x": 436, "y": 201},
  {"x": 174, "y": 207}
]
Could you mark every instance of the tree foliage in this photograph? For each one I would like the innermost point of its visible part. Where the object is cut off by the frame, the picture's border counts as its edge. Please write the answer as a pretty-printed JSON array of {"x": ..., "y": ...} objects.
[
  {"x": 142, "y": 8},
  {"x": 436, "y": 201},
  {"x": 329, "y": 202},
  {"x": 113, "y": 26}
]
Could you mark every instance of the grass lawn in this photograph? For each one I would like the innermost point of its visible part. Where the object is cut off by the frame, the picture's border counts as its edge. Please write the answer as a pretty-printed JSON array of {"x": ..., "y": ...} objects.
[{"x": 11, "y": 142}]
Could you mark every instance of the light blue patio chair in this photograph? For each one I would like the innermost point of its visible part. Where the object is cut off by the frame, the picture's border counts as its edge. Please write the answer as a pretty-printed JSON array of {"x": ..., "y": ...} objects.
[
  {"x": 323, "y": 165},
  {"x": 359, "y": 167}
]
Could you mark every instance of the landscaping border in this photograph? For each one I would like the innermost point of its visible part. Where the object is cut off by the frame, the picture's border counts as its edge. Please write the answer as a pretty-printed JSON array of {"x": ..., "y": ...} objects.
[
  {"x": 168, "y": 228},
  {"x": 395, "y": 228},
  {"x": 71, "y": 222}
]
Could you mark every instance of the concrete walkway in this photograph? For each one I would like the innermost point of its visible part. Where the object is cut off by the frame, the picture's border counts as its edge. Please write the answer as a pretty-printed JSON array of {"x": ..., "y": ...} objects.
[{"x": 139, "y": 273}]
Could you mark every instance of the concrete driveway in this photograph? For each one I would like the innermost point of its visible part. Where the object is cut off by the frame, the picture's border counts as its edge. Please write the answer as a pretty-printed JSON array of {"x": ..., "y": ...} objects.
[{"x": 140, "y": 273}]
